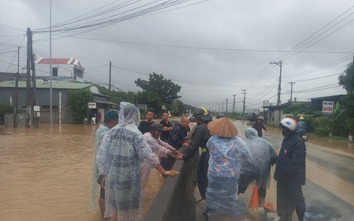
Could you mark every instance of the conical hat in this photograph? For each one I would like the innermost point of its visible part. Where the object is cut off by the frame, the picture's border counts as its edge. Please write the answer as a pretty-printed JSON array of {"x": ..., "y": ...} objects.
[{"x": 222, "y": 127}]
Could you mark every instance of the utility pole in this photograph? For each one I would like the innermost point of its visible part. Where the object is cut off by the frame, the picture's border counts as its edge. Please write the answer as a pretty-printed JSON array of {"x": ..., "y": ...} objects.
[
  {"x": 233, "y": 104},
  {"x": 280, "y": 64},
  {"x": 50, "y": 67},
  {"x": 110, "y": 79},
  {"x": 226, "y": 104},
  {"x": 244, "y": 103},
  {"x": 291, "y": 91},
  {"x": 219, "y": 108},
  {"x": 222, "y": 106},
  {"x": 28, "y": 79},
  {"x": 16, "y": 87}
]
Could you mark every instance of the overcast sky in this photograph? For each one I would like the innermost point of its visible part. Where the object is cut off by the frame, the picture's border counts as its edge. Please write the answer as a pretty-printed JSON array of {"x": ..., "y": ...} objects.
[{"x": 212, "y": 49}]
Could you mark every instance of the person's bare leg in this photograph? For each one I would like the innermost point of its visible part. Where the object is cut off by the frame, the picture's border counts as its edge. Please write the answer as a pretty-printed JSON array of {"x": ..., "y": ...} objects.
[{"x": 101, "y": 204}]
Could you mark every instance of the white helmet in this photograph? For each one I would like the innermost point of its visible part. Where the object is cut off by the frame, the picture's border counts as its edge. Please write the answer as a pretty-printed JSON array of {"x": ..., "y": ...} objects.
[{"x": 289, "y": 123}]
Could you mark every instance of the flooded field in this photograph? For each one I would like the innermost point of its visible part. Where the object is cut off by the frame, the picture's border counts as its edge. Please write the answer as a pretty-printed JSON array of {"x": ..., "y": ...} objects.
[{"x": 46, "y": 174}]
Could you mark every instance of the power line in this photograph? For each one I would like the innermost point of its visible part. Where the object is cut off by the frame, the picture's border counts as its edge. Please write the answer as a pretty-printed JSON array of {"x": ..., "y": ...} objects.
[
  {"x": 111, "y": 15},
  {"x": 205, "y": 47},
  {"x": 304, "y": 43}
]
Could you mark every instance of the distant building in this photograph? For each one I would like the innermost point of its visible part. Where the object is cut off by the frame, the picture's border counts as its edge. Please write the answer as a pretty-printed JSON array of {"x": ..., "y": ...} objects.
[
  {"x": 326, "y": 104},
  {"x": 68, "y": 68},
  {"x": 99, "y": 104}
]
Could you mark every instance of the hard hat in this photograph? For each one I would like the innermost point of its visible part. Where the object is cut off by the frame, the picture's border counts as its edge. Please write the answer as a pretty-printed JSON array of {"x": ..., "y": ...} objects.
[
  {"x": 301, "y": 118},
  {"x": 289, "y": 123},
  {"x": 200, "y": 111}
]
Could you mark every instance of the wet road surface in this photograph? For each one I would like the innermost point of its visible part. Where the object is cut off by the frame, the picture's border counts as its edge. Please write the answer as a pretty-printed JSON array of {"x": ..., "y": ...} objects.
[{"x": 329, "y": 171}]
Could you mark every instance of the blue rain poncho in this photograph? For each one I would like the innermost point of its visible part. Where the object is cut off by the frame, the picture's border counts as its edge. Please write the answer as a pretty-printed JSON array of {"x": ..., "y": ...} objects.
[
  {"x": 118, "y": 158},
  {"x": 258, "y": 166},
  {"x": 226, "y": 158}
]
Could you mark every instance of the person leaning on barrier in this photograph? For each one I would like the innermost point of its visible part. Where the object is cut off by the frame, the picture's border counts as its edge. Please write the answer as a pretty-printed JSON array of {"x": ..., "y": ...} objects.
[
  {"x": 290, "y": 172},
  {"x": 159, "y": 147},
  {"x": 176, "y": 140},
  {"x": 199, "y": 138},
  {"x": 227, "y": 154},
  {"x": 118, "y": 159},
  {"x": 179, "y": 132}
]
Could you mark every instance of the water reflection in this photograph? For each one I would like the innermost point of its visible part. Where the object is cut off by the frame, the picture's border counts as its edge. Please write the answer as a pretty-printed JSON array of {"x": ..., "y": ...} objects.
[{"x": 46, "y": 173}]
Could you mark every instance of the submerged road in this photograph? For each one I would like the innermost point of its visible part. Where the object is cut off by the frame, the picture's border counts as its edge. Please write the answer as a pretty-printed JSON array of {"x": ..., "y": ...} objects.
[{"x": 330, "y": 176}]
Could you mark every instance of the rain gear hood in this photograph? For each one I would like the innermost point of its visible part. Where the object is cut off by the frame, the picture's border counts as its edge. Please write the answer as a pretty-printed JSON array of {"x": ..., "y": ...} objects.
[{"x": 257, "y": 167}]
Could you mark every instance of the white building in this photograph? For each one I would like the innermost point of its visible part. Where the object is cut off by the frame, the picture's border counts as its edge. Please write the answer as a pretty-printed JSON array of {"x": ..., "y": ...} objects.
[{"x": 62, "y": 68}]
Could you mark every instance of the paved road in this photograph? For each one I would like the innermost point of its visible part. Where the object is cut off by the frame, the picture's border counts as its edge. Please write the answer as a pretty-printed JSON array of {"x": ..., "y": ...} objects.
[{"x": 330, "y": 178}]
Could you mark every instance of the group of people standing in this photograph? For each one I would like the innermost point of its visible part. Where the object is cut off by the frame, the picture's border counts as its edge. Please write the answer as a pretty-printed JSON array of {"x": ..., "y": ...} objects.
[{"x": 227, "y": 163}]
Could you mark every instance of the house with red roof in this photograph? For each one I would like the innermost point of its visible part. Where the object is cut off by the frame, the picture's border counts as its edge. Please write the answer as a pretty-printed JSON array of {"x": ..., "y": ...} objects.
[{"x": 63, "y": 68}]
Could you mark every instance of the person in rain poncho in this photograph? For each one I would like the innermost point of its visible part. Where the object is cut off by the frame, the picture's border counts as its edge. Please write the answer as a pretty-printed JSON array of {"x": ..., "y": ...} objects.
[
  {"x": 227, "y": 153},
  {"x": 257, "y": 167},
  {"x": 110, "y": 120},
  {"x": 118, "y": 160}
]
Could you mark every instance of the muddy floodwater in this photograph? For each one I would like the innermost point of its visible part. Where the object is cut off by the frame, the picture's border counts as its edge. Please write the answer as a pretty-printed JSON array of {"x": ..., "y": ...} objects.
[{"x": 45, "y": 174}]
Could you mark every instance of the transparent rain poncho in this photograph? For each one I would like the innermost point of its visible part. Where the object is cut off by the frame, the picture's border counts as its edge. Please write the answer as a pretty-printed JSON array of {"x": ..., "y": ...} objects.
[
  {"x": 100, "y": 132},
  {"x": 226, "y": 158},
  {"x": 119, "y": 157},
  {"x": 258, "y": 166}
]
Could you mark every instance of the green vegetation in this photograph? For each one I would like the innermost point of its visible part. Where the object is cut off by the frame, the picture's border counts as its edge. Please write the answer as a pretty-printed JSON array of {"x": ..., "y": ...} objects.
[
  {"x": 345, "y": 113},
  {"x": 4, "y": 108},
  {"x": 156, "y": 92},
  {"x": 341, "y": 122},
  {"x": 78, "y": 103}
]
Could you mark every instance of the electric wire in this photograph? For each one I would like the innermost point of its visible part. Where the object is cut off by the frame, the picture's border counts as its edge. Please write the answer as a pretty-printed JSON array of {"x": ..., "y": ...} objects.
[{"x": 303, "y": 44}]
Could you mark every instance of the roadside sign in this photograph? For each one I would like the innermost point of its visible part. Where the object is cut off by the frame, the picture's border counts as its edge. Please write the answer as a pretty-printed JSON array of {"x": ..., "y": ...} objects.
[{"x": 327, "y": 107}]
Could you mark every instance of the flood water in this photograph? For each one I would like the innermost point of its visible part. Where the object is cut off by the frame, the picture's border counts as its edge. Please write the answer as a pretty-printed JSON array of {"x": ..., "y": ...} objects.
[{"x": 46, "y": 174}]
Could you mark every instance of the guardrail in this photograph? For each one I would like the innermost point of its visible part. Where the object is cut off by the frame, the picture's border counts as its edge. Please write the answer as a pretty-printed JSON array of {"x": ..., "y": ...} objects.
[{"x": 176, "y": 200}]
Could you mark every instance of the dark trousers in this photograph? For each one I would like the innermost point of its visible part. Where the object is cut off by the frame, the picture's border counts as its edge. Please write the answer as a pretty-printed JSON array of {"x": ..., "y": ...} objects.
[
  {"x": 289, "y": 196},
  {"x": 167, "y": 163},
  {"x": 202, "y": 173}
]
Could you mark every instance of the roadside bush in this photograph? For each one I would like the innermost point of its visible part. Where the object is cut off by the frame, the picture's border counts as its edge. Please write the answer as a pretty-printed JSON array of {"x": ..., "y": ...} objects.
[
  {"x": 4, "y": 108},
  {"x": 323, "y": 125},
  {"x": 78, "y": 103},
  {"x": 273, "y": 124}
]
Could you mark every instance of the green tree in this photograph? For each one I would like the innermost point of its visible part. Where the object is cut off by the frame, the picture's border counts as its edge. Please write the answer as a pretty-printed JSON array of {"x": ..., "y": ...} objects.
[
  {"x": 78, "y": 103},
  {"x": 347, "y": 81},
  {"x": 150, "y": 98},
  {"x": 118, "y": 96},
  {"x": 298, "y": 108},
  {"x": 164, "y": 88},
  {"x": 177, "y": 107}
]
